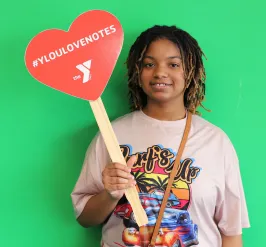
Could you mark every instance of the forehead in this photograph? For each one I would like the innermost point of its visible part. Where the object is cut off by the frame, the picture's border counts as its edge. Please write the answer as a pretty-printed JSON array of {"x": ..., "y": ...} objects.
[{"x": 162, "y": 48}]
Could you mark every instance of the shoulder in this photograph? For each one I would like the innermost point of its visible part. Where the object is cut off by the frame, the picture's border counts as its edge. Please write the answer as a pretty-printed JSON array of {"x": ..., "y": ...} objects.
[
  {"x": 125, "y": 122},
  {"x": 215, "y": 133},
  {"x": 128, "y": 117},
  {"x": 201, "y": 124},
  {"x": 119, "y": 125}
]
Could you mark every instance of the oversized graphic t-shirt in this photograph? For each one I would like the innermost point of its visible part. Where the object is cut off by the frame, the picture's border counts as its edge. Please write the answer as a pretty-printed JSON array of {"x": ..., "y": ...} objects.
[{"x": 206, "y": 197}]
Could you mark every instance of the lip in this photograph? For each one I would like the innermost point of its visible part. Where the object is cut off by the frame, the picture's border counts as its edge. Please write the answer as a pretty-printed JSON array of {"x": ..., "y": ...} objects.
[
  {"x": 159, "y": 86},
  {"x": 160, "y": 82}
]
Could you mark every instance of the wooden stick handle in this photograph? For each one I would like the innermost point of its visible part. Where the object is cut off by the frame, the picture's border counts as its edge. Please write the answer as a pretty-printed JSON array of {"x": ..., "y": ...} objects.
[{"x": 117, "y": 156}]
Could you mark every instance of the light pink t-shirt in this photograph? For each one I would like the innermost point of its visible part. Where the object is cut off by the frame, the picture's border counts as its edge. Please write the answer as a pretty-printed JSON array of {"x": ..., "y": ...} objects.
[{"x": 207, "y": 195}]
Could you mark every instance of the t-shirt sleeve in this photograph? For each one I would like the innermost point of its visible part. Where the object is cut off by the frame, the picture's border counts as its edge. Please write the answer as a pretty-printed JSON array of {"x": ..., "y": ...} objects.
[
  {"x": 231, "y": 213},
  {"x": 89, "y": 182}
]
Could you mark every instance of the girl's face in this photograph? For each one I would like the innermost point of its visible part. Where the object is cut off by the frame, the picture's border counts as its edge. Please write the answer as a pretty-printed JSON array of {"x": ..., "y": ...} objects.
[{"x": 162, "y": 76}]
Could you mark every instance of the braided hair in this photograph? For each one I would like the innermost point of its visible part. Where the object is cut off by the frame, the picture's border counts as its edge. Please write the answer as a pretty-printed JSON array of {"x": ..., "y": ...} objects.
[{"x": 191, "y": 55}]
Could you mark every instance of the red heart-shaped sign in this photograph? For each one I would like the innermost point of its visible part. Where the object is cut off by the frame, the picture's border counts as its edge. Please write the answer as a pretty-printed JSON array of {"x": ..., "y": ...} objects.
[{"x": 78, "y": 62}]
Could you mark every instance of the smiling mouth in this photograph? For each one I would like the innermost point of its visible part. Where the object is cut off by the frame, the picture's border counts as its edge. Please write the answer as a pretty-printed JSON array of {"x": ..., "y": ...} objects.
[{"x": 160, "y": 84}]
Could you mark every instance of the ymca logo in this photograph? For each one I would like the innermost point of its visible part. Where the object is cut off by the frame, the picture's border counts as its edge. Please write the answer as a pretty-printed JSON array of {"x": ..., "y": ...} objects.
[{"x": 85, "y": 69}]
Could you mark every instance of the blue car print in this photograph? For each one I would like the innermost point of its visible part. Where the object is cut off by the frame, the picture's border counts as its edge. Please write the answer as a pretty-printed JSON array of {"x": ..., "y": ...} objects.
[{"x": 175, "y": 220}]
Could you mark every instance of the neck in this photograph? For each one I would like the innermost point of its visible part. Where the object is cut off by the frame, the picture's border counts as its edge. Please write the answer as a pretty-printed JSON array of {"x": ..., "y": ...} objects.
[{"x": 165, "y": 112}]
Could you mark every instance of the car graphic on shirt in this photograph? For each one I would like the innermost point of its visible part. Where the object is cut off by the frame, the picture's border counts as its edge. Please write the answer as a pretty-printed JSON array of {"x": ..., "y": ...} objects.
[
  {"x": 155, "y": 199},
  {"x": 177, "y": 229},
  {"x": 175, "y": 220},
  {"x": 133, "y": 238},
  {"x": 147, "y": 200}
]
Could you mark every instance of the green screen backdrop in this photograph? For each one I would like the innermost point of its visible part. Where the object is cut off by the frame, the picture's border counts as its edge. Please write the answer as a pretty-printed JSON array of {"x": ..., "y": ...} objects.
[{"x": 44, "y": 133}]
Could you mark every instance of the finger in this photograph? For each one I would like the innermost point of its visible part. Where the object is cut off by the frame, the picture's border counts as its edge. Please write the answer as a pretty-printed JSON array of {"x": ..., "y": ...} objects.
[
  {"x": 131, "y": 161},
  {"x": 118, "y": 187},
  {"x": 117, "y": 173},
  {"x": 118, "y": 166},
  {"x": 118, "y": 180}
]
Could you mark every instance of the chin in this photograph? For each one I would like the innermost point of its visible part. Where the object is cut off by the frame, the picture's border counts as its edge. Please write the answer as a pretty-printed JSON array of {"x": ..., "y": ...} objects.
[{"x": 162, "y": 99}]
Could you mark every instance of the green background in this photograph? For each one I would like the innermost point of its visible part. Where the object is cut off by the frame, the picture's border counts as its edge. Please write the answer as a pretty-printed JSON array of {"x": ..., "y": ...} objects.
[{"x": 45, "y": 133}]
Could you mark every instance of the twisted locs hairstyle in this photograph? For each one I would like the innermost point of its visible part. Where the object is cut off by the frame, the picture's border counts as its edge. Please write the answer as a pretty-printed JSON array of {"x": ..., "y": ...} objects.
[{"x": 191, "y": 55}]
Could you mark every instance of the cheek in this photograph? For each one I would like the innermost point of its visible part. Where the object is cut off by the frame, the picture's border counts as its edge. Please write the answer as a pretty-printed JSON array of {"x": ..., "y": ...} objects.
[
  {"x": 145, "y": 76},
  {"x": 179, "y": 79}
]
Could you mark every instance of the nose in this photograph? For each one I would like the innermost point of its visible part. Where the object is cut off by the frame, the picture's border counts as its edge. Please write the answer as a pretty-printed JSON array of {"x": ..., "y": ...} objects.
[{"x": 160, "y": 72}]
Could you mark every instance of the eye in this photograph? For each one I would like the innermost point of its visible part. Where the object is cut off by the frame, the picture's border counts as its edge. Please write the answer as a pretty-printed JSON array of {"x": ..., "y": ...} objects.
[
  {"x": 148, "y": 65},
  {"x": 174, "y": 65}
]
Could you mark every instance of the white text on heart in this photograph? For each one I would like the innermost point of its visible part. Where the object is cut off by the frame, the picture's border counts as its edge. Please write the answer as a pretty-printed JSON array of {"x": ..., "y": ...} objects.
[{"x": 75, "y": 45}]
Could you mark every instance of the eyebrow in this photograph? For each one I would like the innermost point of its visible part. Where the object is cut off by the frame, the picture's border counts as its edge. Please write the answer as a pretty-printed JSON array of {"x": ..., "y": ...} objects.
[{"x": 172, "y": 57}]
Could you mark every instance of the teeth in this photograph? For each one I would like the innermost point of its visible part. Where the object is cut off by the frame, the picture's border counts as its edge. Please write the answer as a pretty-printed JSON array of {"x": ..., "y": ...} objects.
[{"x": 160, "y": 85}]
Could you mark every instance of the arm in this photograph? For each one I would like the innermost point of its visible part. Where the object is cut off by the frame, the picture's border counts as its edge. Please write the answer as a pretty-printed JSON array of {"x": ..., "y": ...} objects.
[
  {"x": 97, "y": 209},
  {"x": 232, "y": 241},
  {"x": 231, "y": 212},
  {"x": 116, "y": 179}
]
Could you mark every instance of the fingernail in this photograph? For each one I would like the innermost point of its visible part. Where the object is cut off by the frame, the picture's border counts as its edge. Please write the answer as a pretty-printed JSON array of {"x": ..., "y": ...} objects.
[{"x": 132, "y": 177}]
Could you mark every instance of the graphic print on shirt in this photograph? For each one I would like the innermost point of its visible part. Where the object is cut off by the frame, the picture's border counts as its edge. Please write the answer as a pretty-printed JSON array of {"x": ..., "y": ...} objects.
[{"x": 151, "y": 171}]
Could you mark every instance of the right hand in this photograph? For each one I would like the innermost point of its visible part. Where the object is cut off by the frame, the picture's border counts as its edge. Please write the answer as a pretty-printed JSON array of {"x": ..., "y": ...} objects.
[{"x": 117, "y": 178}]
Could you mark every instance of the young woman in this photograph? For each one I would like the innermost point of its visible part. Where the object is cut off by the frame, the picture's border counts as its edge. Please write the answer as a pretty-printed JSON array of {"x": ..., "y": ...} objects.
[{"x": 206, "y": 206}]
